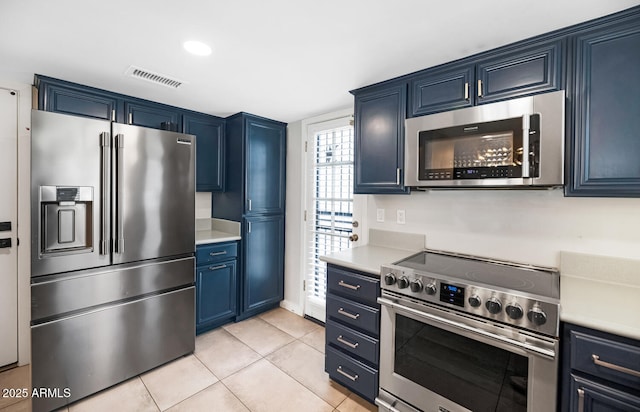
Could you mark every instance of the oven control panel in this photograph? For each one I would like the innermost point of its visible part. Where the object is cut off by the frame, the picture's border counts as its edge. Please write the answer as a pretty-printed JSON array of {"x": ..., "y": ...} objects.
[{"x": 528, "y": 312}]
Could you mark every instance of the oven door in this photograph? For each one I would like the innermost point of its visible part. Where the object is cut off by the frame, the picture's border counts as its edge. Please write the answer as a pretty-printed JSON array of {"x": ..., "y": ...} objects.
[{"x": 439, "y": 360}]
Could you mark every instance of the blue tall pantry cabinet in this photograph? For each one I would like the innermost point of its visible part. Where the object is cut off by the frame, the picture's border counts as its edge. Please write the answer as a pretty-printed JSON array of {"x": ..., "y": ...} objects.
[{"x": 255, "y": 196}]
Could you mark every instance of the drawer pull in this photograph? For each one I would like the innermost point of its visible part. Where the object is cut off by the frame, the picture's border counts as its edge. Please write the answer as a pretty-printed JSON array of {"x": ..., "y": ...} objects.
[
  {"x": 224, "y": 252},
  {"x": 597, "y": 361},
  {"x": 217, "y": 267},
  {"x": 348, "y": 286},
  {"x": 343, "y": 373},
  {"x": 347, "y": 314},
  {"x": 580, "y": 400},
  {"x": 345, "y": 342}
]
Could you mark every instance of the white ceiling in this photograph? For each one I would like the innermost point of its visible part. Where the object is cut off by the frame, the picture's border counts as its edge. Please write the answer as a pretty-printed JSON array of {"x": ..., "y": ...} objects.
[{"x": 283, "y": 59}]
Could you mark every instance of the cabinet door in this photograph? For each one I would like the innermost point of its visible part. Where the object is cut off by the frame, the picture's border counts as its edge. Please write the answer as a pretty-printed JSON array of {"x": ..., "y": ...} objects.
[
  {"x": 451, "y": 87},
  {"x": 588, "y": 396},
  {"x": 526, "y": 71},
  {"x": 263, "y": 263},
  {"x": 154, "y": 115},
  {"x": 379, "y": 140},
  {"x": 265, "y": 166},
  {"x": 605, "y": 144},
  {"x": 75, "y": 100},
  {"x": 216, "y": 294},
  {"x": 210, "y": 143}
]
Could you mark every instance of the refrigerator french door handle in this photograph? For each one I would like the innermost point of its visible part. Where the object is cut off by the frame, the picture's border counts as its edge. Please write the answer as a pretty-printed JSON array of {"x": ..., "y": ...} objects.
[
  {"x": 105, "y": 147},
  {"x": 119, "y": 145}
]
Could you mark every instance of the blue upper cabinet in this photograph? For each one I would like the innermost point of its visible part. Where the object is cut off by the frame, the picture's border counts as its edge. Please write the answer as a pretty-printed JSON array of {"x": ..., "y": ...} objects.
[
  {"x": 265, "y": 165},
  {"x": 444, "y": 88},
  {"x": 505, "y": 73},
  {"x": 157, "y": 116},
  {"x": 604, "y": 149},
  {"x": 379, "y": 139},
  {"x": 68, "y": 98},
  {"x": 522, "y": 72},
  {"x": 210, "y": 150}
]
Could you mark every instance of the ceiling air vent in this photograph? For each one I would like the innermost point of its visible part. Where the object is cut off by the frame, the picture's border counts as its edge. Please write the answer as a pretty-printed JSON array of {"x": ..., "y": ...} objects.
[{"x": 153, "y": 77}]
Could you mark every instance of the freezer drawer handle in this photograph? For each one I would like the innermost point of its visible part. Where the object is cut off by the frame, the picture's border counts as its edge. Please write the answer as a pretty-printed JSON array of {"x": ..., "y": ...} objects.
[
  {"x": 343, "y": 373},
  {"x": 224, "y": 252},
  {"x": 347, "y": 314},
  {"x": 345, "y": 342},
  {"x": 348, "y": 286},
  {"x": 618, "y": 368}
]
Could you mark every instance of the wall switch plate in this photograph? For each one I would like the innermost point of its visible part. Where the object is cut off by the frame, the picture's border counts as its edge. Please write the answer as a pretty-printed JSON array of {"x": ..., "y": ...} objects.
[
  {"x": 400, "y": 216},
  {"x": 380, "y": 215}
]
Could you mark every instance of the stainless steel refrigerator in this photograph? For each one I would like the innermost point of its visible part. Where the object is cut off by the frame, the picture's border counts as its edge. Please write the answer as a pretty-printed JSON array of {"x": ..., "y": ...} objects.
[{"x": 112, "y": 253}]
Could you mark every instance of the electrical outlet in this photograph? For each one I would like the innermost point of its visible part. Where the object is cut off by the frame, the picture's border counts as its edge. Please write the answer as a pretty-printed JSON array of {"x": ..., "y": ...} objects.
[
  {"x": 380, "y": 215},
  {"x": 400, "y": 216}
]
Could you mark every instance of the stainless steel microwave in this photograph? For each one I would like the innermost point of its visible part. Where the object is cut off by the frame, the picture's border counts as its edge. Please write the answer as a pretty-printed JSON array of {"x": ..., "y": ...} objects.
[{"x": 515, "y": 143}]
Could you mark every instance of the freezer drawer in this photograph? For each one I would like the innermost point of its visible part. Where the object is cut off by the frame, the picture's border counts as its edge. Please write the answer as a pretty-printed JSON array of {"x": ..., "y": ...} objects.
[
  {"x": 92, "y": 351},
  {"x": 63, "y": 295}
]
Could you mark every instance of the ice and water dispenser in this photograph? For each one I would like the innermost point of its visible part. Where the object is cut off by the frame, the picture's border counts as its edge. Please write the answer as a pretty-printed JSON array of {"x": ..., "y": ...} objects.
[{"x": 66, "y": 215}]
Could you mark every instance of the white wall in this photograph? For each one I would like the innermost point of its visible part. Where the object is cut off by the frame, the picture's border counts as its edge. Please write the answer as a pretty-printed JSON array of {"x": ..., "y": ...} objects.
[
  {"x": 529, "y": 226},
  {"x": 24, "y": 222}
]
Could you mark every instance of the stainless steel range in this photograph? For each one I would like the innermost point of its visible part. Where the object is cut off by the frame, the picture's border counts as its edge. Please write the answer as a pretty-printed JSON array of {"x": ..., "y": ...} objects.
[{"x": 462, "y": 333}]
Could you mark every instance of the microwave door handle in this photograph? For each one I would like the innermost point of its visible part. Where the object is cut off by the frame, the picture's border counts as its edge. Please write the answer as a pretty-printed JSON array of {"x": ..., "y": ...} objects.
[{"x": 525, "y": 146}]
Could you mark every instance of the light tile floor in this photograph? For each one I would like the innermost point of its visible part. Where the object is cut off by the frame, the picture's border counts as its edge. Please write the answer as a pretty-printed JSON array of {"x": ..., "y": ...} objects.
[{"x": 271, "y": 362}]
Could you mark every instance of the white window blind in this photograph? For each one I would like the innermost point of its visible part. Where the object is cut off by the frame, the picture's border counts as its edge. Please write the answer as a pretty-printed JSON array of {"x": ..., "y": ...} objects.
[{"x": 330, "y": 220}]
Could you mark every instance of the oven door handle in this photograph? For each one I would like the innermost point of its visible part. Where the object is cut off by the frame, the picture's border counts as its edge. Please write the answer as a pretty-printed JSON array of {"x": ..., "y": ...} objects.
[{"x": 474, "y": 331}]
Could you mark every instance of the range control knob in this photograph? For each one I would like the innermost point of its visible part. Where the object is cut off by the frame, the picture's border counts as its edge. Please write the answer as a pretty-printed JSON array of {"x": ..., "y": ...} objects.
[
  {"x": 493, "y": 305},
  {"x": 389, "y": 279},
  {"x": 416, "y": 285},
  {"x": 403, "y": 282},
  {"x": 475, "y": 301},
  {"x": 431, "y": 289},
  {"x": 514, "y": 310},
  {"x": 537, "y": 316}
]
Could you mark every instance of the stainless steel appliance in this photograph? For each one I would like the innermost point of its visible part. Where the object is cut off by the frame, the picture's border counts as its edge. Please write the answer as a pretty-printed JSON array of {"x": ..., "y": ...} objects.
[
  {"x": 460, "y": 333},
  {"x": 518, "y": 142},
  {"x": 112, "y": 253}
]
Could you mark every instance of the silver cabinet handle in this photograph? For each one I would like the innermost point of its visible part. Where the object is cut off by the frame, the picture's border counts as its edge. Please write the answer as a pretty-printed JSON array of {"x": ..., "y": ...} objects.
[
  {"x": 343, "y": 373},
  {"x": 248, "y": 227},
  {"x": 580, "y": 400},
  {"x": 348, "y": 286},
  {"x": 113, "y": 115},
  {"x": 105, "y": 143},
  {"x": 224, "y": 252},
  {"x": 345, "y": 342},
  {"x": 398, "y": 176},
  {"x": 479, "y": 88},
  {"x": 618, "y": 368},
  {"x": 119, "y": 143},
  {"x": 466, "y": 91},
  {"x": 130, "y": 118},
  {"x": 249, "y": 204},
  {"x": 347, "y": 314},
  {"x": 217, "y": 267}
]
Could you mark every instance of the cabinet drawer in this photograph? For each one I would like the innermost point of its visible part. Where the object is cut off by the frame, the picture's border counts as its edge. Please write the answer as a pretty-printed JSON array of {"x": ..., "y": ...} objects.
[
  {"x": 604, "y": 358},
  {"x": 364, "y": 318},
  {"x": 355, "y": 375},
  {"x": 353, "y": 285},
  {"x": 596, "y": 397},
  {"x": 351, "y": 341},
  {"x": 216, "y": 252}
]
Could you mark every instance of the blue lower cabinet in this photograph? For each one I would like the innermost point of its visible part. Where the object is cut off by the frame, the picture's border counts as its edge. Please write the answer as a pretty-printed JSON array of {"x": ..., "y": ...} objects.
[
  {"x": 352, "y": 330},
  {"x": 216, "y": 286}
]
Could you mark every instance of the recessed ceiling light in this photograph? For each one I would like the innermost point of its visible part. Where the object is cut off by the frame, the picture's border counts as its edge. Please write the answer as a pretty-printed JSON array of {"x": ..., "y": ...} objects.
[{"x": 196, "y": 47}]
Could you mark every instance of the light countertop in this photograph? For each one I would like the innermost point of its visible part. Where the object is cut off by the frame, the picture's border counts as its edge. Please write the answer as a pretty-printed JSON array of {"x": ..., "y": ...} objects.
[
  {"x": 383, "y": 248},
  {"x": 216, "y": 231},
  {"x": 601, "y": 292}
]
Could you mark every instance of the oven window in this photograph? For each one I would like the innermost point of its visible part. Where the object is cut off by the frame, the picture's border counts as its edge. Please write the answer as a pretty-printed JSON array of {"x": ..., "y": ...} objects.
[{"x": 478, "y": 376}]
